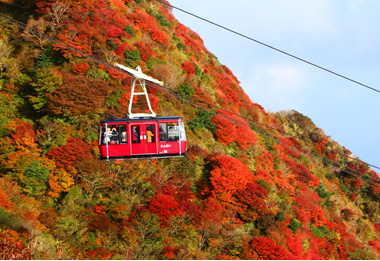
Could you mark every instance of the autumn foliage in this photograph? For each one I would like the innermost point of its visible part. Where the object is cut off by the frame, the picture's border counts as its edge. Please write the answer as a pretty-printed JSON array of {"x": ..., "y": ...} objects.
[
  {"x": 74, "y": 152},
  {"x": 268, "y": 249},
  {"x": 228, "y": 175},
  {"x": 255, "y": 184}
]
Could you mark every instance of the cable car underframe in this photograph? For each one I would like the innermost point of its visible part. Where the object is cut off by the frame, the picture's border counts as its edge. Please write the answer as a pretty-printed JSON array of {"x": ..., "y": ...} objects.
[{"x": 142, "y": 135}]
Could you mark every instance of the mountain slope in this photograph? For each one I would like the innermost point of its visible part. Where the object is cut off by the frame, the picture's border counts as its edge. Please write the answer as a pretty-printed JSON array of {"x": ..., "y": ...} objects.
[{"x": 260, "y": 186}]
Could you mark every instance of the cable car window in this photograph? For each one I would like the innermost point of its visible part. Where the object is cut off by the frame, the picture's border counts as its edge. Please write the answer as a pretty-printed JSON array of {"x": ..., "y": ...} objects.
[
  {"x": 123, "y": 134},
  {"x": 149, "y": 133},
  {"x": 115, "y": 134},
  {"x": 105, "y": 134},
  {"x": 173, "y": 134},
  {"x": 135, "y": 134},
  {"x": 163, "y": 131},
  {"x": 182, "y": 133},
  {"x": 114, "y": 137}
]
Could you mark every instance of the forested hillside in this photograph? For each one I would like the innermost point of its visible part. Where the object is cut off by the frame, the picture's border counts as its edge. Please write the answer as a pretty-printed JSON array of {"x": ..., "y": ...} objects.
[{"x": 255, "y": 185}]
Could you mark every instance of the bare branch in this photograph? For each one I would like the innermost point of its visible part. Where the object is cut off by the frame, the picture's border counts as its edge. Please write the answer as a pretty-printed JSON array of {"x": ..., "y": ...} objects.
[{"x": 35, "y": 31}]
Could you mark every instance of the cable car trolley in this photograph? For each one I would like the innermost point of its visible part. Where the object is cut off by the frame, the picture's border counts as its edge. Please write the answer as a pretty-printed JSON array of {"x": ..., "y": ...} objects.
[{"x": 142, "y": 135}]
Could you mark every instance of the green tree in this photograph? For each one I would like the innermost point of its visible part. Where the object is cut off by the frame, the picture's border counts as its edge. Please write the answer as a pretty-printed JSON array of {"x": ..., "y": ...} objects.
[
  {"x": 203, "y": 120},
  {"x": 46, "y": 81},
  {"x": 36, "y": 178},
  {"x": 5, "y": 55},
  {"x": 321, "y": 190},
  {"x": 128, "y": 29},
  {"x": 132, "y": 57},
  {"x": 8, "y": 106},
  {"x": 52, "y": 133},
  {"x": 185, "y": 91},
  {"x": 294, "y": 225},
  {"x": 112, "y": 101}
]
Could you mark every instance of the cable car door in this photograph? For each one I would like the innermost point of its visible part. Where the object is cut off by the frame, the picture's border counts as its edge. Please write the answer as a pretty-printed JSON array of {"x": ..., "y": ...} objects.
[{"x": 143, "y": 139}]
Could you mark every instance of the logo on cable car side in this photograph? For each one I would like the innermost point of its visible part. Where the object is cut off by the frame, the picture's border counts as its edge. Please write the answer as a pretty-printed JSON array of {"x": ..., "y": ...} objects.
[{"x": 166, "y": 146}]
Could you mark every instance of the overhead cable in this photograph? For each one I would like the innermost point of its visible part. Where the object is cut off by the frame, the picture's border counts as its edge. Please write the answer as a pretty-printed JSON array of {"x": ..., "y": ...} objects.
[{"x": 269, "y": 46}]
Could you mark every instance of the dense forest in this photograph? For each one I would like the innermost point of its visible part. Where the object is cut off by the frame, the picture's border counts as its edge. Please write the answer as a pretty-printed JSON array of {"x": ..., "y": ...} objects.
[{"x": 255, "y": 184}]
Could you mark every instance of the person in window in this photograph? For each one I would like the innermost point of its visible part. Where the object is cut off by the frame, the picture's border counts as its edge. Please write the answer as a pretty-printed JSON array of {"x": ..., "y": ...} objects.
[
  {"x": 149, "y": 134},
  {"x": 114, "y": 138},
  {"x": 124, "y": 137},
  {"x": 107, "y": 135},
  {"x": 135, "y": 135}
]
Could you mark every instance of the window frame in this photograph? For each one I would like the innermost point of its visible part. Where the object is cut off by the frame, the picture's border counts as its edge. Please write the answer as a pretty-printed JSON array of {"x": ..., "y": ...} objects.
[{"x": 170, "y": 135}]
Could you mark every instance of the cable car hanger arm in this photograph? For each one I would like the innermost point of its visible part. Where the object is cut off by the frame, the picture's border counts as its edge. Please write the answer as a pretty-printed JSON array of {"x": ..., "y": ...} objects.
[{"x": 139, "y": 74}]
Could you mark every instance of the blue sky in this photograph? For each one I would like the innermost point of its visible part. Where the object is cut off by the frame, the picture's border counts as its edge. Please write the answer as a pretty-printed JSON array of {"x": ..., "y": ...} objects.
[{"x": 342, "y": 36}]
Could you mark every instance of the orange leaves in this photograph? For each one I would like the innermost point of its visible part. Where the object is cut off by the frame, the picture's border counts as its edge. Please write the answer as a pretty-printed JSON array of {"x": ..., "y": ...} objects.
[
  {"x": 77, "y": 95},
  {"x": 160, "y": 37},
  {"x": 265, "y": 167},
  {"x": 290, "y": 147},
  {"x": 225, "y": 130},
  {"x": 228, "y": 175},
  {"x": 5, "y": 202},
  {"x": 268, "y": 249},
  {"x": 245, "y": 137},
  {"x": 321, "y": 145},
  {"x": 229, "y": 85},
  {"x": 89, "y": 26},
  {"x": 146, "y": 50},
  {"x": 189, "y": 67},
  {"x": 302, "y": 173},
  {"x": 189, "y": 38},
  {"x": 59, "y": 181},
  {"x": 317, "y": 216},
  {"x": 99, "y": 209},
  {"x": 262, "y": 174},
  {"x": 80, "y": 68},
  {"x": 143, "y": 20},
  {"x": 24, "y": 151},
  {"x": 23, "y": 135},
  {"x": 100, "y": 253},
  {"x": 74, "y": 152},
  {"x": 164, "y": 206},
  {"x": 113, "y": 31},
  {"x": 295, "y": 246},
  {"x": 124, "y": 99},
  {"x": 80, "y": 43},
  {"x": 230, "y": 129},
  {"x": 252, "y": 197},
  {"x": 169, "y": 251},
  {"x": 375, "y": 244},
  {"x": 304, "y": 204},
  {"x": 357, "y": 183},
  {"x": 149, "y": 24},
  {"x": 11, "y": 247}
]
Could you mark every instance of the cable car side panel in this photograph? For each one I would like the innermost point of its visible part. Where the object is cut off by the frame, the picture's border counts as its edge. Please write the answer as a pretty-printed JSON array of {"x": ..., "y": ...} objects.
[{"x": 142, "y": 138}]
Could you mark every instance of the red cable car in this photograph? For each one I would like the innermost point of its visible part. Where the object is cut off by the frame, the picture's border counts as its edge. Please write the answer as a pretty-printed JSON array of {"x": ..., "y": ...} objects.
[
  {"x": 142, "y": 135},
  {"x": 161, "y": 137}
]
